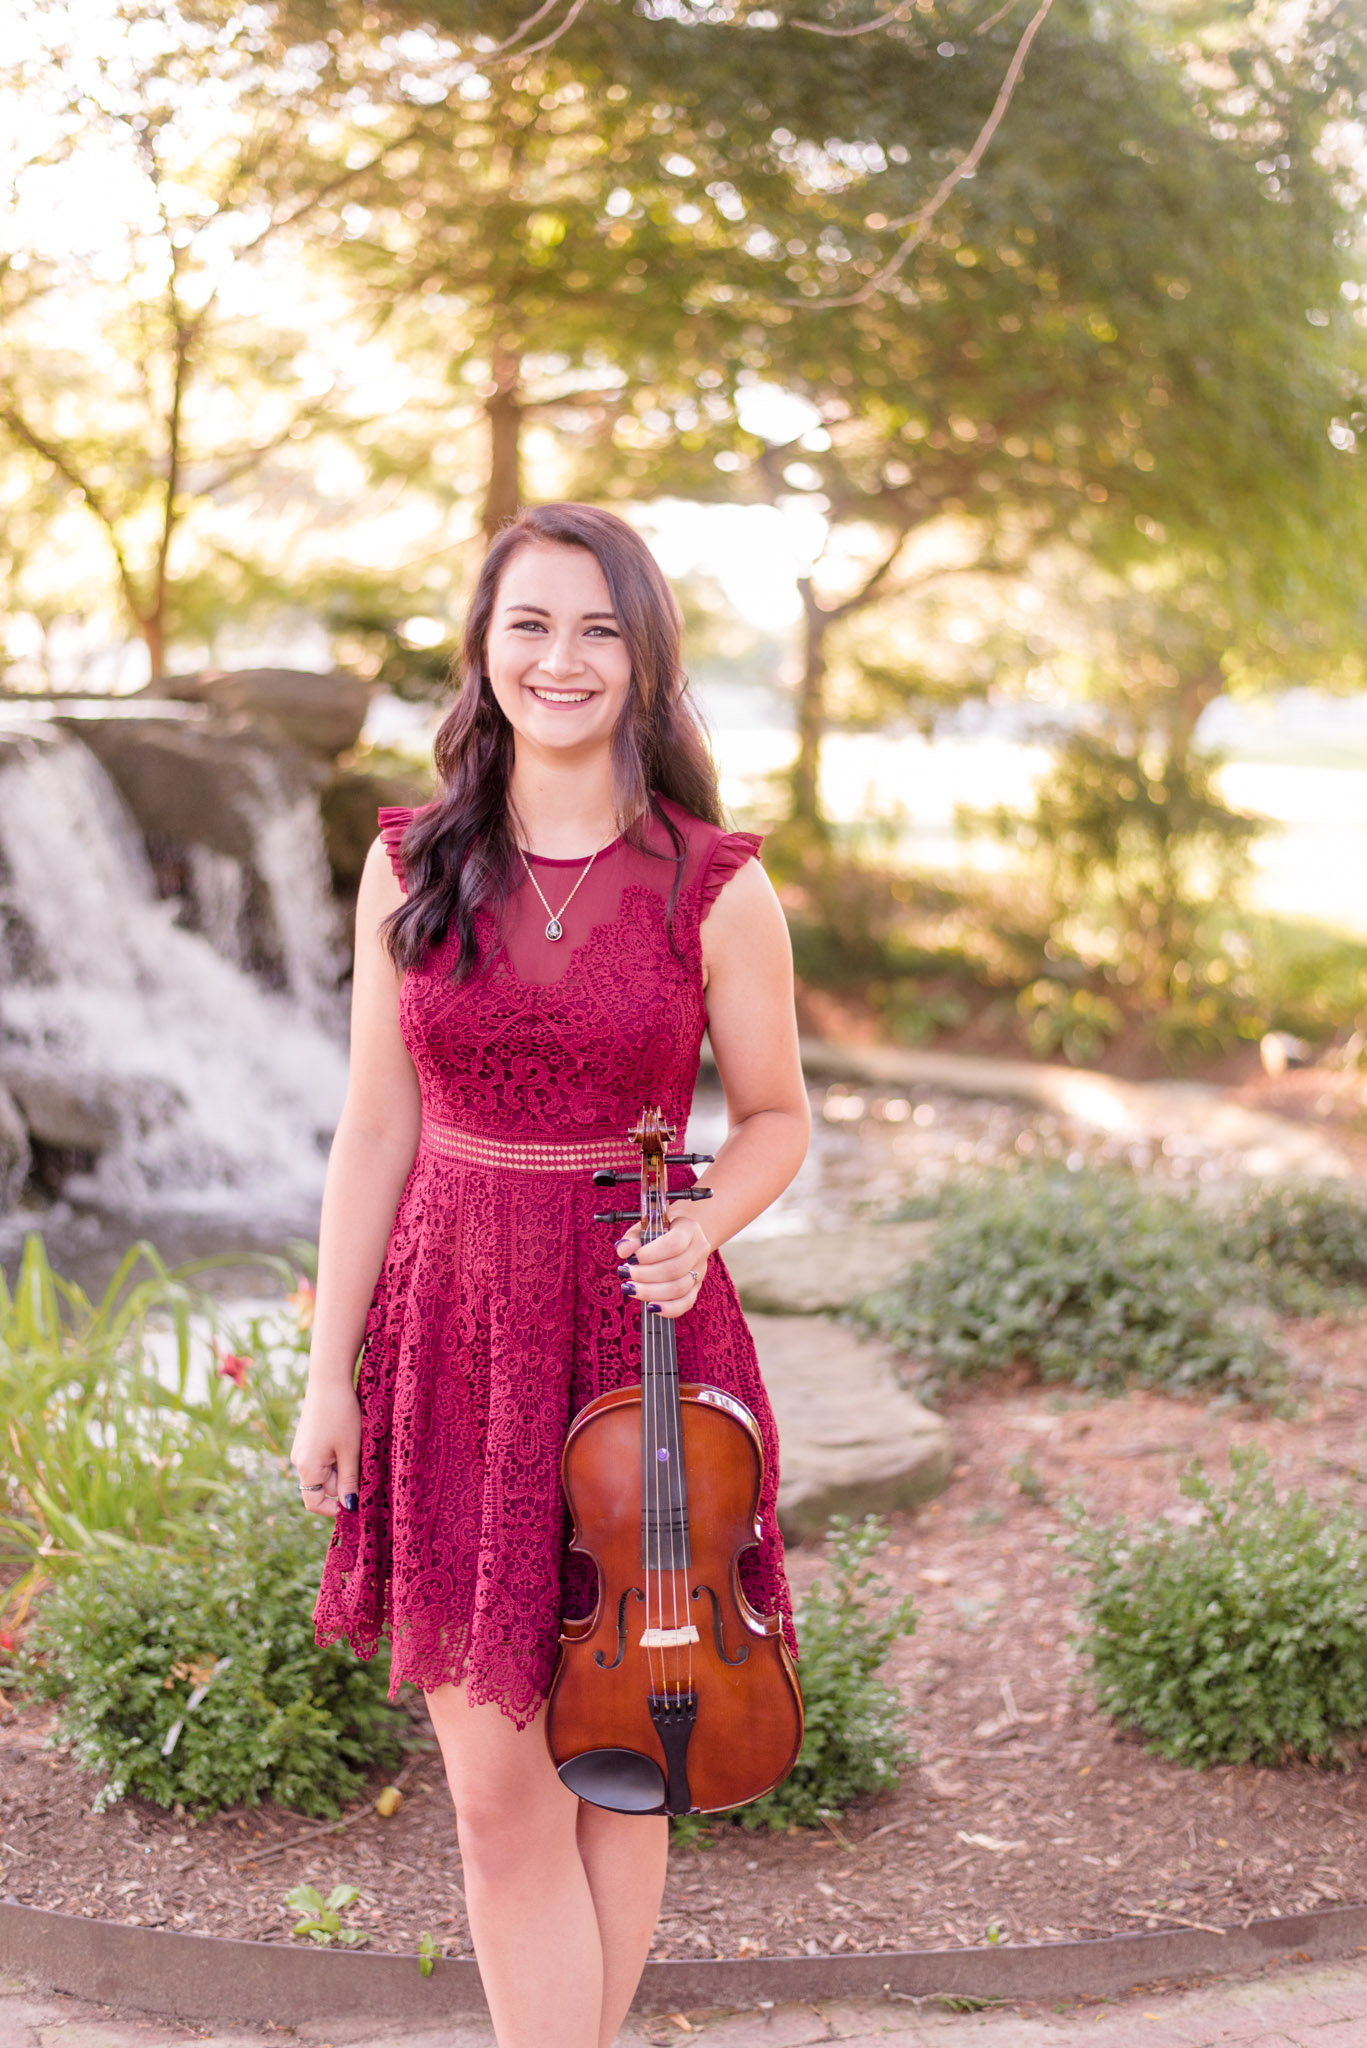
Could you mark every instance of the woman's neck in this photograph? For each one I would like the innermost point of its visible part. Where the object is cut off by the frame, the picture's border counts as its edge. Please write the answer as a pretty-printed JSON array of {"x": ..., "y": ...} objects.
[{"x": 562, "y": 809}]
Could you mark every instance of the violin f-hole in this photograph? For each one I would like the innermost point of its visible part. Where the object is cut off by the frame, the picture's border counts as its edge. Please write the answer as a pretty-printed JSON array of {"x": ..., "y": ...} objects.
[
  {"x": 717, "y": 1635},
  {"x": 598, "y": 1656}
]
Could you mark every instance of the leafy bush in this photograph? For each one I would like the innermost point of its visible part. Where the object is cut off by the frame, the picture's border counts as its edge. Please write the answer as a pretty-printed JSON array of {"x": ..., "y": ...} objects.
[
  {"x": 1242, "y": 1638},
  {"x": 120, "y": 1422},
  {"x": 1087, "y": 1279},
  {"x": 855, "y": 1740},
  {"x": 1305, "y": 1241},
  {"x": 194, "y": 1679}
]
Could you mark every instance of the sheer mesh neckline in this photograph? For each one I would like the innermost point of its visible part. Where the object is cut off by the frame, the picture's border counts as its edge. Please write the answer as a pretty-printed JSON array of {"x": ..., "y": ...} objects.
[{"x": 580, "y": 860}]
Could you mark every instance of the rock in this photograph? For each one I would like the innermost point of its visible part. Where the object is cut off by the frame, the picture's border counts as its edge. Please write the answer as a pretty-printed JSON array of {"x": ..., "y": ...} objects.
[
  {"x": 323, "y": 714},
  {"x": 853, "y": 1441},
  {"x": 15, "y": 1157},
  {"x": 84, "y": 1112},
  {"x": 349, "y": 803},
  {"x": 819, "y": 1274},
  {"x": 188, "y": 779},
  {"x": 68, "y": 1114}
]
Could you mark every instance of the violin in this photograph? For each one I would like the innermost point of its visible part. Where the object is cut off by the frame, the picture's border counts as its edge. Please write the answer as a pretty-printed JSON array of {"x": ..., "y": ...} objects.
[{"x": 675, "y": 1695}]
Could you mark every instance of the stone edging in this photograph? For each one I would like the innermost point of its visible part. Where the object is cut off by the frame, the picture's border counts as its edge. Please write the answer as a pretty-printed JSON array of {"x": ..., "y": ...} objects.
[{"x": 198, "y": 1977}]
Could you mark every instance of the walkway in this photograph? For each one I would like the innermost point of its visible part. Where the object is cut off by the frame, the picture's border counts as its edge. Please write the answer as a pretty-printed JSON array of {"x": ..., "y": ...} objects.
[{"x": 1323, "y": 2006}]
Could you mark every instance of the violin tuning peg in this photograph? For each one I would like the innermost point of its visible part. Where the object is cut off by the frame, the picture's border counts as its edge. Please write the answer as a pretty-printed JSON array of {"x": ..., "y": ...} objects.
[
  {"x": 690, "y": 1158},
  {"x": 604, "y": 1177},
  {"x": 619, "y": 1216}
]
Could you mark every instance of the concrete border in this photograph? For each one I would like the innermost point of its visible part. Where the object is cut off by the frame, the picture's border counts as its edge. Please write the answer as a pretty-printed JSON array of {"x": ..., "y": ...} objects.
[{"x": 199, "y": 1977}]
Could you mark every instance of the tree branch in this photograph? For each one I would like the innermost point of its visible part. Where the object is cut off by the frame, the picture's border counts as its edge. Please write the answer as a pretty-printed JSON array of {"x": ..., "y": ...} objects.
[
  {"x": 919, "y": 221},
  {"x": 50, "y": 452},
  {"x": 519, "y": 56},
  {"x": 863, "y": 28}
]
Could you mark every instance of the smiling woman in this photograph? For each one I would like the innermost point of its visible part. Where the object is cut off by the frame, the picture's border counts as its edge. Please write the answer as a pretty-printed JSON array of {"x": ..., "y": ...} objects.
[{"x": 538, "y": 954}]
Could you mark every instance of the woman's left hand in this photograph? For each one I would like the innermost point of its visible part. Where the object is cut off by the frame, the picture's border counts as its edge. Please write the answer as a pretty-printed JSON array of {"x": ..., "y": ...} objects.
[{"x": 669, "y": 1270}]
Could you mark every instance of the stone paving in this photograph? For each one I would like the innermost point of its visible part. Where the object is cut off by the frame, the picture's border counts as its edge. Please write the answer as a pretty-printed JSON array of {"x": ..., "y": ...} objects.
[{"x": 1321, "y": 2006}]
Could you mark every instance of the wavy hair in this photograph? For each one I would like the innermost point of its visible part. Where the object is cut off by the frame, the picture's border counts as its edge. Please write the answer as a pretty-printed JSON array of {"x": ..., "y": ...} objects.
[{"x": 459, "y": 854}]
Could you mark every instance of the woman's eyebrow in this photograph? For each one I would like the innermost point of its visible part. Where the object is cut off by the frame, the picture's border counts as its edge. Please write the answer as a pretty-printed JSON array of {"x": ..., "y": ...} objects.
[{"x": 514, "y": 605}]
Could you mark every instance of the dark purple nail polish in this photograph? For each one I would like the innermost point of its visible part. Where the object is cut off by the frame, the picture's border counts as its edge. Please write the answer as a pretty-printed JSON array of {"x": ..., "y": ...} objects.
[
  {"x": 625, "y": 1272},
  {"x": 628, "y": 1287},
  {"x": 351, "y": 1501},
  {"x": 653, "y": 1308}
]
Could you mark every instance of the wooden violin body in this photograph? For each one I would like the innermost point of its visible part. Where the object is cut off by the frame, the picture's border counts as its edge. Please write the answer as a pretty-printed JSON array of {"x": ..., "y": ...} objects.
[
  {"x": 674, "y": 1695},
  {"x": 737, "y": 1726}
]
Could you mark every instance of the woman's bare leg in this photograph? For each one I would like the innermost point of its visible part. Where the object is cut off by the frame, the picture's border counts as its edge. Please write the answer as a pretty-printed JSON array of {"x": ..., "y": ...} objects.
[
  {"x": 624, "y": 1855},
  {"x": 558, "y": 1923}
]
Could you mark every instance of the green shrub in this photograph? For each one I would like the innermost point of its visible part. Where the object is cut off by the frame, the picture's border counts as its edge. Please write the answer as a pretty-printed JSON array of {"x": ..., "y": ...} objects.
[
  {"x": 855, "y": 1740},
  {"x": 1242, "y": 1638},
  {"x": 194, "y": 1679},
  {"x": 106, "y": 1446},
  {"x": 1084, "y": 1278},
  {"x": 1306, "y": 1242}
]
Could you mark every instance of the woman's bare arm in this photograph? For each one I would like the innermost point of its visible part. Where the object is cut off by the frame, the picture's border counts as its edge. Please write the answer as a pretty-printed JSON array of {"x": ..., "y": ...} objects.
[
  {"x": 372, "y": 1154},
  {"x": 748, "y": 972}
]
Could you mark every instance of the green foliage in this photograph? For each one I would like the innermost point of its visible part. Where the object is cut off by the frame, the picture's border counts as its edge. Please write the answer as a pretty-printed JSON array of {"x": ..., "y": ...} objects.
[
  {"x": 1240, "y": 1639},
  {"x": 855, "y": 1740},
  {"x": 1308, "y": 1243},
  {"x": 121, "y": 1423},
  {"x": 194, "y": 1679},
  {"x": 429, "y": 1952},
  {"x": 321, "y": 1917},
  {"x": 1085, "y": 1278}
]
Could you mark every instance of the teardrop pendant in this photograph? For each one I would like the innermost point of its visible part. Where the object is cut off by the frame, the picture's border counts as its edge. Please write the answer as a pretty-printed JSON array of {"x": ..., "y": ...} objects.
[{"x": 555, "y": 929}]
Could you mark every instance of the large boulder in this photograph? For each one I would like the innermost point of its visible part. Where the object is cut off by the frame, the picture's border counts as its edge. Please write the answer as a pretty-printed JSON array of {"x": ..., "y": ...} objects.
[
  {"x": 15, "y": 1157},
  {"x": 189, "y": 779},
  {"x": 322, "y": 714},
  {"x": 853, "y": 1441},
  {"x": 348, "y": 804},
  {"x": 822, "y": 1273}
]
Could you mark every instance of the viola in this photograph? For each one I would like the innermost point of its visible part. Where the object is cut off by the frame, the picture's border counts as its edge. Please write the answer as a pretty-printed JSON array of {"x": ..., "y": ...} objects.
[{"x": 675, "y": 1695}]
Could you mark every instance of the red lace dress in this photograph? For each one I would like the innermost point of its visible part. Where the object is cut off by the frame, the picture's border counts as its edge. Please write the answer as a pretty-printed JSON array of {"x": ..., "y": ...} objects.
[{"x": 498, "y": 1313}]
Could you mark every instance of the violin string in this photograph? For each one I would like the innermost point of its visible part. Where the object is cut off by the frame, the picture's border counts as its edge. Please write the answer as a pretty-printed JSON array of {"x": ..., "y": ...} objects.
[{"x": 655, "y": 1609}]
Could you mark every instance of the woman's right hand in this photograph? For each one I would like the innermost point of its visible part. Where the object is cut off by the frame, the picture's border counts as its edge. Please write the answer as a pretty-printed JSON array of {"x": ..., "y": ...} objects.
[{"x": 326, "y": 1452}]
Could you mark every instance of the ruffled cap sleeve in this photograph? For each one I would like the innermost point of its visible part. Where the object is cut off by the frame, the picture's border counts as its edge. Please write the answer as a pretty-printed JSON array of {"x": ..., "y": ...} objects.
[
  {"x": 730, "y": 851},
  {"x": 395, "y": 820}
]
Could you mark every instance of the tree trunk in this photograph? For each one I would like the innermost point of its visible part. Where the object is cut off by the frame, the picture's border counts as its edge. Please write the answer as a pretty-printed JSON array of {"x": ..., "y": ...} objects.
[
  {"x": 504, "y": 413},
  {"x": 154, "y": 634},
  {"x": 805, "y": 779}
]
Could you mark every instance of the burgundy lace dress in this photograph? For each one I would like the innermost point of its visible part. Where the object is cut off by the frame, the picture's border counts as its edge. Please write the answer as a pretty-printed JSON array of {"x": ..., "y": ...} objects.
[{"x": 498, "y": 1313}]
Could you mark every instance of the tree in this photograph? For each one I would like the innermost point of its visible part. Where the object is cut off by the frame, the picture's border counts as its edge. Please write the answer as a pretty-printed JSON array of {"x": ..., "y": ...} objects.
[
  {"x": 1131, "y": 333},
  {"x": 156, "y": 226}
]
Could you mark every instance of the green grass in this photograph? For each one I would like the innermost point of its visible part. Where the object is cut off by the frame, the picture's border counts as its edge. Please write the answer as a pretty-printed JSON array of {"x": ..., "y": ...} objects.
[{"x": 104, "y": 1452}]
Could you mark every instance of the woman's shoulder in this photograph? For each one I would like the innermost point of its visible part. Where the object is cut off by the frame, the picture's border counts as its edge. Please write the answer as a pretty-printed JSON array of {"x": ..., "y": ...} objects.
[
  {"x": 712, "y": 853},
  {"x": 394, "y": 821}
]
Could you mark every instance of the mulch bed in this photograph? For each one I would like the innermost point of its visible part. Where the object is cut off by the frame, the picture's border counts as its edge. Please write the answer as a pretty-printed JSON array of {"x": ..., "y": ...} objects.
[{"x": 1027, "y": 1818}]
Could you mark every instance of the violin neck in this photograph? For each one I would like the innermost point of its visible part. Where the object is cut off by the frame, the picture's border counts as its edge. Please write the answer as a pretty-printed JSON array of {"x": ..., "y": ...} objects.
[{"x": 664, "y": 1497}]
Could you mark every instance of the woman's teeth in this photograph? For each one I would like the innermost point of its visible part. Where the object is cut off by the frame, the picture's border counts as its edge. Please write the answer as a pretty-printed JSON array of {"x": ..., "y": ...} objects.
[{"x": 561, "y": 696}]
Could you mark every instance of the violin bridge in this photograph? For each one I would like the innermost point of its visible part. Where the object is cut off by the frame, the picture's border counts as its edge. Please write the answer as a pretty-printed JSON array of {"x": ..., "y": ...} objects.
[{"x": 668, "y": 1638}]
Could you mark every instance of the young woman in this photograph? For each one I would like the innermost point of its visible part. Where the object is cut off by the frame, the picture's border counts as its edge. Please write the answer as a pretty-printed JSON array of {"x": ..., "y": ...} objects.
[{"x": 538, "y": 953}]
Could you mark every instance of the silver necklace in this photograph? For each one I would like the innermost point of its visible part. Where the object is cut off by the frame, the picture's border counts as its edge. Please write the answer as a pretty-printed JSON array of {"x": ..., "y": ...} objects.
[{"x": 555, "y": 926}]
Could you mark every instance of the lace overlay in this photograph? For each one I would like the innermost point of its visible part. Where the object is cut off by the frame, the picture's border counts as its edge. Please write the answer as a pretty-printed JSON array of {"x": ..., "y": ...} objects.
[{"x": 497, "y": 1314}]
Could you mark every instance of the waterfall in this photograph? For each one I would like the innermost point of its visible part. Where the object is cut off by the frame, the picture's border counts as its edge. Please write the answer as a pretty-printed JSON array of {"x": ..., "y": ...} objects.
[{"x": 216, "y": 1092}]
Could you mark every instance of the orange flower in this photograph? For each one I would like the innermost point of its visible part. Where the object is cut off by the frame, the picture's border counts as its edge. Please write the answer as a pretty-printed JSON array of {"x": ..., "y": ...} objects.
[{"x": 302, "y": 1301}]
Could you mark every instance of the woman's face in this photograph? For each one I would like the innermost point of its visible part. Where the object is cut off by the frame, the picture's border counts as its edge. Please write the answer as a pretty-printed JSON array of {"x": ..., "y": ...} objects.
[{"x": 555, "y": 656}]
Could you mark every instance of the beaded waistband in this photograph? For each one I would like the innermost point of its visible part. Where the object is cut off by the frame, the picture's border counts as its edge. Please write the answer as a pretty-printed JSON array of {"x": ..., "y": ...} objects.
[{"x": 572, "y": 1155}]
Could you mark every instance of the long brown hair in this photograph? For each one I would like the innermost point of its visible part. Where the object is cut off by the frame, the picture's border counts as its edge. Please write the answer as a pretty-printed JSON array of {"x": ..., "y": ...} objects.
[{"x": 459, "y": 855}]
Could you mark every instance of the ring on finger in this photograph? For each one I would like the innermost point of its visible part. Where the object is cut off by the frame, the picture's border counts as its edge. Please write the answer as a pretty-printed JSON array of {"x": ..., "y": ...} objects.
[{"x": 320, "y": 1488}]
